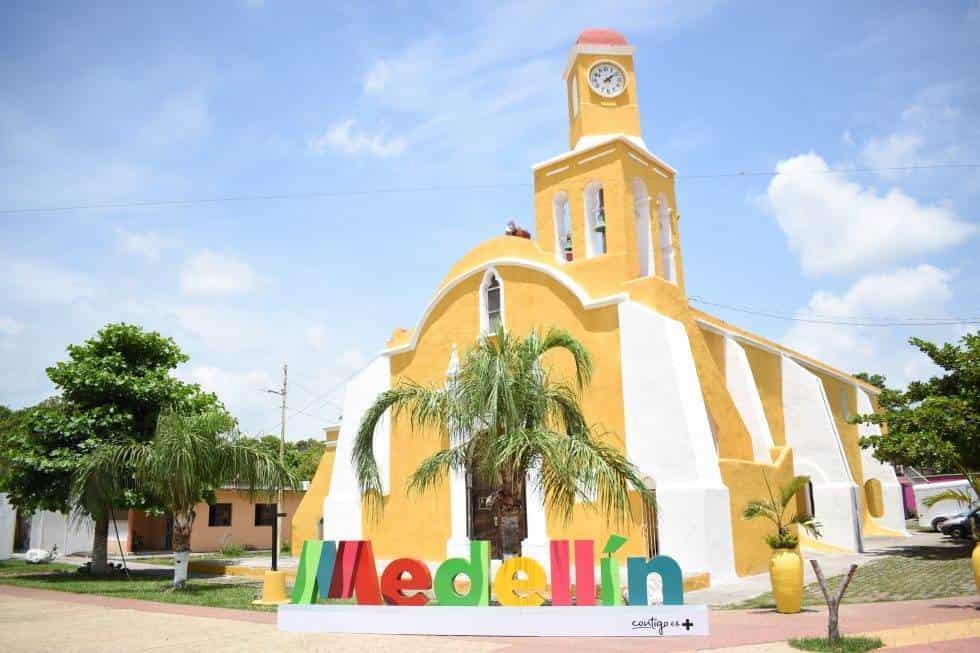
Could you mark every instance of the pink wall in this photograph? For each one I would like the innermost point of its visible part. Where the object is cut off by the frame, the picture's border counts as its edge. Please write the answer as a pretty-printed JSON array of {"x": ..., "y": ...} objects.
[{"x": 243, "y": 530}]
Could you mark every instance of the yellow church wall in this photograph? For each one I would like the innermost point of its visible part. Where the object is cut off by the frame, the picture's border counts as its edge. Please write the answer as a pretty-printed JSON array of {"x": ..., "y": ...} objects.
[
  {"x": 420, "y": 525},
  {"x": 767, "y": 370},
  {"x": 746, "y": 481},
  {"x": 599, "y": 115},
  {"x": 310, "y": 509},
  {"x": 716, "y": 345},
  {"x": 839, "y": 393}
]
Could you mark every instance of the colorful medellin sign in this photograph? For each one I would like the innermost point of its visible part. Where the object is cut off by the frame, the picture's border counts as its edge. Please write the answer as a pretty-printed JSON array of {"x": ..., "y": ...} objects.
[{"x": 344, "y": 570}]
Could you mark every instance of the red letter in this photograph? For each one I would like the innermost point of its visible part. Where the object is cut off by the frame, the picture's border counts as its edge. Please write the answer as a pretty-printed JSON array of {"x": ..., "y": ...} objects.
[
  {"x": 355, "y": 574},
  {"x": 561, "y": 593},
  {"x": 584, "y": 572},
  {"x": 392, "y": 583}
]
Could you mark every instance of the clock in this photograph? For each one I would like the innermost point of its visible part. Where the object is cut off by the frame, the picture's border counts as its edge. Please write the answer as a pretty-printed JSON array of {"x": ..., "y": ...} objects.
[{"x": 607, "y": 79}]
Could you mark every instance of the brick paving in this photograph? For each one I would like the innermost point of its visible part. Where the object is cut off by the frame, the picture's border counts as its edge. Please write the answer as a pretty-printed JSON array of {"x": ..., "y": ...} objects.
[{"x": 41, "y": 620}]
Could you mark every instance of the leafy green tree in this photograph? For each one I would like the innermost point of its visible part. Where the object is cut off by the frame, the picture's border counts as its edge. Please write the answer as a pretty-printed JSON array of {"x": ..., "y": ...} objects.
[
  {"x": 773, "y": 508},
  {"x": 876, "y": 380},
  {"x": 506, "y": 419},
  {"x": 111, "y": 391},
  {"x": 310, "y": 452},
  {"x": 190, "y": 455},
  {"x": 301, "y": 457},
  {"x": 935, "y": 423}
]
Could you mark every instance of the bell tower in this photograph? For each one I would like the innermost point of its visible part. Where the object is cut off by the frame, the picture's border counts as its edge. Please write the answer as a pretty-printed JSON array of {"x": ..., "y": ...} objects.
[
  {"x": 606, "y": 208},
  {"x": 601, "y": 85}
]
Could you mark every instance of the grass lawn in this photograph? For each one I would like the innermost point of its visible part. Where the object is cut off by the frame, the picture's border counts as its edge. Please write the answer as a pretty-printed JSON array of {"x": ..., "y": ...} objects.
[
  {"x": 895, "y": 578},
  {"x": 168, "y": 560},
  {"x": 843, "y": 645},
  {"x": 147, "y": 585}
]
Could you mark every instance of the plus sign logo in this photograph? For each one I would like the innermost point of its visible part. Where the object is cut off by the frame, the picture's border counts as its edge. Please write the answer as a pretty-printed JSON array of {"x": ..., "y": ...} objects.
[{"x": 688, "y": 624}]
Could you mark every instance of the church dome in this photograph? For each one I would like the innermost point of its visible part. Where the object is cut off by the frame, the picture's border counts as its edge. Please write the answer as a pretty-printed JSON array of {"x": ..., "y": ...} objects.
[{"x": 600, "y": 36}]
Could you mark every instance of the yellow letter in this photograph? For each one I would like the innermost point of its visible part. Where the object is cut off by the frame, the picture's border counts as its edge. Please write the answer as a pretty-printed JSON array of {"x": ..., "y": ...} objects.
[{"x": 520, "y": 592}]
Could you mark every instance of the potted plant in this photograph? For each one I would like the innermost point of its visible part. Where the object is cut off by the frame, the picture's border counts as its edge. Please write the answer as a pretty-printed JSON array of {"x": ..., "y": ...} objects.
[
  {"x": 567, "y": 247},
  {"x": 785, "y": 565}
]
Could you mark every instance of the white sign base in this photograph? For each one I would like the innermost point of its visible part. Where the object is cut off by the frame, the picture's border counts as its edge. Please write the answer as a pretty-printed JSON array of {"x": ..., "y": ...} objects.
[{"x": 563, "y": 621}]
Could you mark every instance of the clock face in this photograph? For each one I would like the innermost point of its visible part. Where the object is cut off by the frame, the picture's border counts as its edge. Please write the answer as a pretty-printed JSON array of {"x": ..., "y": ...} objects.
[{"x": 607, "y": 79}]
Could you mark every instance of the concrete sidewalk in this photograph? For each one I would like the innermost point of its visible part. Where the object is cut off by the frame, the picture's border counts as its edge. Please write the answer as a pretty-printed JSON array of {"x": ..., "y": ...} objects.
[{"x": 41, "y": 620}]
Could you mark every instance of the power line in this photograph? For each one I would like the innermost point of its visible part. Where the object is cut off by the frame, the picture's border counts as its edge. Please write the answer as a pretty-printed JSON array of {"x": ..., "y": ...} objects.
[
  {"x": 429, "y": 189},
  {"x": 899, "y": 322}
]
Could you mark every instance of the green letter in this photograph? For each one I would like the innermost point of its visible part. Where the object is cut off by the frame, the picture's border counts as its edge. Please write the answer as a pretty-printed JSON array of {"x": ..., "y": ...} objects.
[{"x": 477, "y": 568}]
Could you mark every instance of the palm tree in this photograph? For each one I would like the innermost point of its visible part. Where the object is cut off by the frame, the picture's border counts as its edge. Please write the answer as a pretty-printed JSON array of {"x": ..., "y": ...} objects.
[
  {"x": 774, "y": 509},
  {"x": 189, "y": 456},
  {"x": 962, "y": 497},
  {"x": 506, "y": 421}
]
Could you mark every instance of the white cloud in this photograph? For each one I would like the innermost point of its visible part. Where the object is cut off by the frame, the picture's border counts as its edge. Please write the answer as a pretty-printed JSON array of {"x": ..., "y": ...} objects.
[
  {"x": 346, "y": 138},
  {"x": 9, "y": 326},
  {"x": 929, "y": 131},
  {"x": 499, "y": 69},
  {"x": 210, "y": 273},
  {"x": 316, "y": 337},
  {"x": 836, "y": 225},
  {"x": 900, "y": 295},
  {"x": 895, "y": 150},
  {"x": 148, "y": 245},
  {"x": 41, "y": 282},
  {"x": 236, "y": 389}
]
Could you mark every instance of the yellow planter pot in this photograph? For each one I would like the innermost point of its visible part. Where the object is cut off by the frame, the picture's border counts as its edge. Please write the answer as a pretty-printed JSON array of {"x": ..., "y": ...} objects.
[
  {"x": 786, "y": 575},
  {"x": 976, "y": 565}
]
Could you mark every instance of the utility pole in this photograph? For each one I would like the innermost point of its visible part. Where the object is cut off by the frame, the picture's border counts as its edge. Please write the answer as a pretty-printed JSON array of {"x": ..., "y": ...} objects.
[{"x": 282, "y": 455}]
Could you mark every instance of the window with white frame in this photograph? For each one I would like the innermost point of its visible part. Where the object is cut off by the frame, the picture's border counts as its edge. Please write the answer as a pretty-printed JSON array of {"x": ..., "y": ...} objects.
[
  {"x": 666, "y": 240},
  {"x": 563, "y": 229},
  {"x": 595, "y": 220},
  {"x": 491, "y": 302}
]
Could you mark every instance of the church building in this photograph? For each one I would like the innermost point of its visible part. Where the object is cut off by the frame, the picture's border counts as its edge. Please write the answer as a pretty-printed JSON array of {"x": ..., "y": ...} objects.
[{"x": 706, "y": 410}]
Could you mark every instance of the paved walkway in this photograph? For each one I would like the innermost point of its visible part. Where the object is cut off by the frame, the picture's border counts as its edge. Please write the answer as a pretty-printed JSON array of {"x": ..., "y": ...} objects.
[{"x": 40, "y": 620}]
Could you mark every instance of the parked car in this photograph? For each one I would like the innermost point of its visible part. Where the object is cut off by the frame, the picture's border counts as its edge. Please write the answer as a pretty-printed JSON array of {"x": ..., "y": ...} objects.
[
  {"x": 939, "y": 520},
  {"x": 959, "y": 526}
]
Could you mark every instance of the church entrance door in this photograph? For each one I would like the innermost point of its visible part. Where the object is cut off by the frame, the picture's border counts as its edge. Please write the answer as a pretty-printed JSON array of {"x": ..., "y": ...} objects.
[{"x": 481, "y": 522}]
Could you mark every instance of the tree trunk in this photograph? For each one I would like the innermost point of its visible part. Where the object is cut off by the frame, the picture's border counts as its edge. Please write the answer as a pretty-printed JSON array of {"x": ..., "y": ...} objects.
[
  {"x": 183, "y": 521},
  {"x": 833, "y": 602},
  {"x": 100, "y": 545}
]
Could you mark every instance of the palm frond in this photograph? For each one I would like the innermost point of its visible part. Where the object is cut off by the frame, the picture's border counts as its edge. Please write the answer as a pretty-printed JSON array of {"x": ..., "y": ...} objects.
[
  {"x": 789, "y": 491},
  {"x": 961, "y": 497}
]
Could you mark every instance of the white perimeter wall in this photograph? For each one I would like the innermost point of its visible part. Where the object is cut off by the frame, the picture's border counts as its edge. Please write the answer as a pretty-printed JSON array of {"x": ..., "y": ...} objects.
[
  {"x": 8, "y": 522},
  {"x": 925, "y": 490},
  {"x": 669, "y": 438},
  {"x": 342, "y": 505},
  {"x": 70, "y": 534},
  {"x": 891, "y": 489},
  {"x": 819, "y": 454},
  {"x": 744, "y": 392}
]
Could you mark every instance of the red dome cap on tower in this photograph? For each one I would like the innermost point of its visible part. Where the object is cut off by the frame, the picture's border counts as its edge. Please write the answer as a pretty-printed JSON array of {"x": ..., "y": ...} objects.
[{"x": 600, "y": 36}]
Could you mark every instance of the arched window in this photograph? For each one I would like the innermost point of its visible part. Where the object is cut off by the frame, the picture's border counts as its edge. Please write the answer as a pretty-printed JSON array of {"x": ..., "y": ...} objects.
[
  {"x": 595, "y": 220},
  {"x": 491, "y": 302},
  {"x": 563, "y": 229},
  {"x": 644, "y": 242},
  {"x": 666, "y": 240}
]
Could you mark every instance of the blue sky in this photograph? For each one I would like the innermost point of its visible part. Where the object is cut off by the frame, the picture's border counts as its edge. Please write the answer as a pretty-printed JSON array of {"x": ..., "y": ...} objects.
[{"x": 107, "y": 104}]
